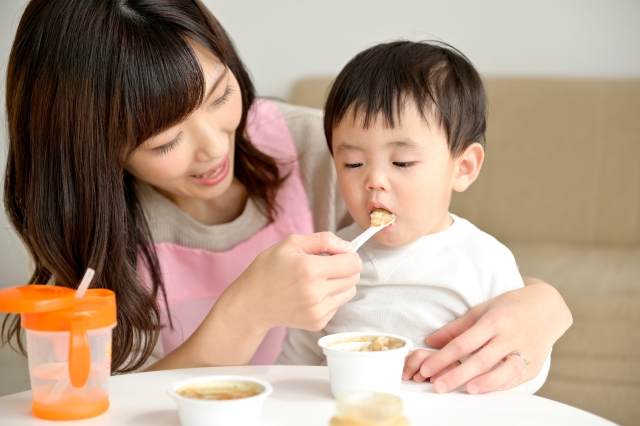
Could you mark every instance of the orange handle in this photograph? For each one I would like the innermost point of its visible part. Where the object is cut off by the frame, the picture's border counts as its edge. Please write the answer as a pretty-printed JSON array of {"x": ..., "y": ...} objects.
[{"x": 79, "y": 353}]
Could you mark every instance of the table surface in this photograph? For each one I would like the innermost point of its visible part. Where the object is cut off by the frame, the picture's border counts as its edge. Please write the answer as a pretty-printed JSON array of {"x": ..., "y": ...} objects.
[{"x": 302, "y": 396}]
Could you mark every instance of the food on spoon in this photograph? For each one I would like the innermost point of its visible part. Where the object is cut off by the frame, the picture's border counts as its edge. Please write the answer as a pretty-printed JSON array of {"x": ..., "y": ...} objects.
[{"x": 381, "y": 217}]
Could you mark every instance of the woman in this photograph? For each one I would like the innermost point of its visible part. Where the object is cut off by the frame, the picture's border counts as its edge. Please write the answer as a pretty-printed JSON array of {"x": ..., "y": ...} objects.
[{"x": 137, "y": 148}]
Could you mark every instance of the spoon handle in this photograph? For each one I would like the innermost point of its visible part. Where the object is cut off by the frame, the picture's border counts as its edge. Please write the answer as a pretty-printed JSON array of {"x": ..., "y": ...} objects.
[{"x": 362, "y": 238}]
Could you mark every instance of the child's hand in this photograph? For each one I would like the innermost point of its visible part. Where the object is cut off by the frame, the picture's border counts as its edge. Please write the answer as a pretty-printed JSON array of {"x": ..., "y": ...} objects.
[{"x": 414, "y": 361}]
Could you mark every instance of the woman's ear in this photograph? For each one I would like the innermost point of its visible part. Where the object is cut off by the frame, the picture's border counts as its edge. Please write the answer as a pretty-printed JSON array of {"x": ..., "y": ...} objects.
[{"x": 468, "y": 166}]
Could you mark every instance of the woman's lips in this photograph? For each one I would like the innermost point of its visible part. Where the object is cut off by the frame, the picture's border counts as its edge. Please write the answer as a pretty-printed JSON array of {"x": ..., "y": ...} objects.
[{"x": 215, "y": 175}]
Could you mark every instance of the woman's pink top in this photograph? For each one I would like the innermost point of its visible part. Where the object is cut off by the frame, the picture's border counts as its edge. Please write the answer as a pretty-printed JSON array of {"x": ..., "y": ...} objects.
[{"x": 195, "y": 278}]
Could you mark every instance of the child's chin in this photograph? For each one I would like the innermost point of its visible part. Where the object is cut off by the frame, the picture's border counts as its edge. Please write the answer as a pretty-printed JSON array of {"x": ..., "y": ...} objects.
[{"x": 390, "y": 239}]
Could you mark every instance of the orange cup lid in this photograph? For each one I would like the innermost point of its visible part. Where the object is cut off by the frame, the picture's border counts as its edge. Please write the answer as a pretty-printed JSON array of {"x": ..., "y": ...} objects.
[
  {"x": 36, "y": 298},
  {"x": 51, "y": 308}
]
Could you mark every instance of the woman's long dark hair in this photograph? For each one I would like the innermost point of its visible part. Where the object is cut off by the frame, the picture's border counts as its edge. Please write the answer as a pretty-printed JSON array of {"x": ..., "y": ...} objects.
[{"x": 87, "y": 83}]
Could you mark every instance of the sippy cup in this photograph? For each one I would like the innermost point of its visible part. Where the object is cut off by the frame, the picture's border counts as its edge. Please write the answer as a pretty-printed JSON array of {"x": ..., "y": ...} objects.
[{"x": 68, "y": 347}]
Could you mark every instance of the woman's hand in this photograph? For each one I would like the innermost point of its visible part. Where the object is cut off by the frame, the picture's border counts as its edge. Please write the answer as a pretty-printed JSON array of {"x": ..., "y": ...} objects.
[
  {"x": 528, "y": 320},
  {"x": 290, "y": 285},
  {"x": 286, "y": 285}
]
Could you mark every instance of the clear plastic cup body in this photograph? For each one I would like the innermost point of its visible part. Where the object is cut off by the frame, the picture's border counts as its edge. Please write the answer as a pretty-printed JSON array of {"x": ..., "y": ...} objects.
[{"x": 53, "y": 393}]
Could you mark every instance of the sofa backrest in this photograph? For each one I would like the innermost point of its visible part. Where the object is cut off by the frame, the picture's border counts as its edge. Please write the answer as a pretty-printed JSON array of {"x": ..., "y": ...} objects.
[{"x": 562, "y": 159}]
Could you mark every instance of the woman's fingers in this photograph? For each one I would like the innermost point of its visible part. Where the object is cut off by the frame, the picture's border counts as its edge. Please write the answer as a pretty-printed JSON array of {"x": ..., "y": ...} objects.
[
  {"x": 455, "y": 328},
  {"x": 414, "y": 362},
  {"x": 443, "y": 372},
  {"x": 320, "y": 243},
  {"x": 505, "y": 372},
  {"x": 458, "y": 348},
  {"x": 337, "y": 266},
  {"x": 481, "y": 362},
  {"x": 289, "y": 285}
]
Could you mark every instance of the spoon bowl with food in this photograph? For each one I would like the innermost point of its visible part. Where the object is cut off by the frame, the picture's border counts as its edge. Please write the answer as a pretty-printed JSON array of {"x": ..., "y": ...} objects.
[{"x": 380, "y": 218}]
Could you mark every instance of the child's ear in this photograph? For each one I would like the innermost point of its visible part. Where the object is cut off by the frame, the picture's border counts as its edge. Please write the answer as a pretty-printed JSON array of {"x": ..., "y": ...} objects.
[{"x": 468, "y": 166}]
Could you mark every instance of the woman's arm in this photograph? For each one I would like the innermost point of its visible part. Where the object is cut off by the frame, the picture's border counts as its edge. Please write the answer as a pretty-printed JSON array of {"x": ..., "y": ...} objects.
[
  {"x": 528, "y": 320},
  {"x": 286, "y": 285}
]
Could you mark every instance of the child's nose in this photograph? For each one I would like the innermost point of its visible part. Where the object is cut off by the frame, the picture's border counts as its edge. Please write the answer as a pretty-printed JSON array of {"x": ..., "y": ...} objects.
[{"x": 377, "y": 181}]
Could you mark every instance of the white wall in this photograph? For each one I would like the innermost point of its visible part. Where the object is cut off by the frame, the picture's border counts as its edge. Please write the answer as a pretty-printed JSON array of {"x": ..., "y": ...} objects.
[
  {"x": 284, "y": 40},
  {"x": 13, "y": 260}
]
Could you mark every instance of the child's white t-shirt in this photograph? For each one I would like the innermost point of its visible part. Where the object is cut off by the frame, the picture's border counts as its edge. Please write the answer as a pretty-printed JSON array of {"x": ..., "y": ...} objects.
[{"x": 416, "y": 289}]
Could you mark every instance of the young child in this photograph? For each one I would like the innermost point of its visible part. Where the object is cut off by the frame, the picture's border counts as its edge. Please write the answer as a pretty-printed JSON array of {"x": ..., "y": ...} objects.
[{"x": 405, "y": 123}]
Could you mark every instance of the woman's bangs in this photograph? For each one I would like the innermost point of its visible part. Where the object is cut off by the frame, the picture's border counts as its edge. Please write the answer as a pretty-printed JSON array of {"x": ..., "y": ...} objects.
[{"x": 163, "y": 83}]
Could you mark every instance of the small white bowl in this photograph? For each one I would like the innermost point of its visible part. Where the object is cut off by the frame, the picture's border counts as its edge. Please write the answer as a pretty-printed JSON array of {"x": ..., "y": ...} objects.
[
  {"x": 377, "y": 371},
  {"x": 228, "y": 412}
]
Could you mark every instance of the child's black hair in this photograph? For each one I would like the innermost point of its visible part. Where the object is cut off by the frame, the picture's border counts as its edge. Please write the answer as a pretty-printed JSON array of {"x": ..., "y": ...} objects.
[{"x": 439, "y": 79}]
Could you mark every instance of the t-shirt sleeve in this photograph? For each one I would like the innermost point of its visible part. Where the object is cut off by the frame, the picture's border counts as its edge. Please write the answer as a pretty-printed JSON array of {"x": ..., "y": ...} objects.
[
  {"x": 316, "y": 165},
  {"x": 502, "y": 271},
  {"x": 300, "y": 347}
]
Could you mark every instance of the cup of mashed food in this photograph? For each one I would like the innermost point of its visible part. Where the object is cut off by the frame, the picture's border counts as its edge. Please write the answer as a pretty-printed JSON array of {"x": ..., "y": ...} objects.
[
  {"x": 220, "y": 400},
  {"x": 365, "y": 361}
]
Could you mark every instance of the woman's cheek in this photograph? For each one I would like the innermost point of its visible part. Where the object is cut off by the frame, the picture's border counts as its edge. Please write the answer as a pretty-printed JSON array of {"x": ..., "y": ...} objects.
[{"x": 172, "y": 166}]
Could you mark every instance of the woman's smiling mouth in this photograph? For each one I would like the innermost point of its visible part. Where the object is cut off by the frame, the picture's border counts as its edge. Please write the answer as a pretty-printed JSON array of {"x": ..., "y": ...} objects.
[{"x": 215, "y": 175}]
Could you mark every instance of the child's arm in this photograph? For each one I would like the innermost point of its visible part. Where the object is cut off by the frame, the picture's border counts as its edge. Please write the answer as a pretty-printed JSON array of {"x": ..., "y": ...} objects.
[{"x": 300, "y": 347}]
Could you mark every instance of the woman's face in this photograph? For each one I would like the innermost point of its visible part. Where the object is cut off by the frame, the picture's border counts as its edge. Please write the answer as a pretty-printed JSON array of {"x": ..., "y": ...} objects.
[{"x": 194, "y": 159}]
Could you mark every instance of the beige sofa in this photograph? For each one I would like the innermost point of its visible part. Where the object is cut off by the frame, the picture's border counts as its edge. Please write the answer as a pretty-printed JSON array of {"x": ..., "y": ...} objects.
[{"x": 561, "y": 188}]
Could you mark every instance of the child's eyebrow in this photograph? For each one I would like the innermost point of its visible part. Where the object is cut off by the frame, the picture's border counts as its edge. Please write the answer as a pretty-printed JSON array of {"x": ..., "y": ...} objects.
[
  {"x": 345, "y": 146},
  {"x": 405, "y": 143}
]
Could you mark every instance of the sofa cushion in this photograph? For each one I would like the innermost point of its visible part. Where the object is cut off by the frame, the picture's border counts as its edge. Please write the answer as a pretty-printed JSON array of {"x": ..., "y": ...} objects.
[{"x": 595, "y": 365}]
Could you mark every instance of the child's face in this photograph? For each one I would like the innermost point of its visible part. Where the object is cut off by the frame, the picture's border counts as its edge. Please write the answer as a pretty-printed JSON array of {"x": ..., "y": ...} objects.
[{"x": 407, "y": 170}]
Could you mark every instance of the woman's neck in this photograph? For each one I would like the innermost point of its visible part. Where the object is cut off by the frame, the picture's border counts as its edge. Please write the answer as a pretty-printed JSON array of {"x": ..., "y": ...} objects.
[{"x": 223, "y": 209}]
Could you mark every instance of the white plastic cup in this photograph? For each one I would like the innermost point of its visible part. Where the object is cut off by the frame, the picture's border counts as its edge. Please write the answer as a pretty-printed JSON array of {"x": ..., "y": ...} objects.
[
  {"x": 230, "y": 412},
  {"x": 376, "y": 371}
]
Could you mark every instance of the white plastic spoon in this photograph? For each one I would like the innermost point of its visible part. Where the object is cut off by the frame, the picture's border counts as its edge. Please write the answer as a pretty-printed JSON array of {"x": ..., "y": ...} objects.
[{"x": 362, "y": 238}]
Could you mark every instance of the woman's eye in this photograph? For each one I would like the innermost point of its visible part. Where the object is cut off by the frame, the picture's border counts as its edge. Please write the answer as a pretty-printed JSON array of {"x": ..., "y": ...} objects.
[
  {"x": 161, "y": 150},
  {"x": 403, "y": 164},
  {"x": 227, "y": 93},
  {"x": 352, "y": 165}
]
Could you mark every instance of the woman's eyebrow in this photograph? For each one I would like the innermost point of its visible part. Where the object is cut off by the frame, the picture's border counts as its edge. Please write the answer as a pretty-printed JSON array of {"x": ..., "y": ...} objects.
[{"x": 216, "y": 84}]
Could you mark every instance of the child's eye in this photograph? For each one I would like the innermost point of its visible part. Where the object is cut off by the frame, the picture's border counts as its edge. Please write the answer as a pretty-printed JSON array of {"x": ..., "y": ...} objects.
[
  {"x": 352, "y": 165},
  {"x": 161, "y": 150},
  {"x": 224, "y": 97},
  {"x": 403, "y": 164}
]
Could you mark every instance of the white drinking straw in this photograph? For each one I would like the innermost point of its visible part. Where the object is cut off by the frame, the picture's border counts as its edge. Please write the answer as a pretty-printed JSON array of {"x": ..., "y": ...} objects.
[{"x": 84, "y": 284}]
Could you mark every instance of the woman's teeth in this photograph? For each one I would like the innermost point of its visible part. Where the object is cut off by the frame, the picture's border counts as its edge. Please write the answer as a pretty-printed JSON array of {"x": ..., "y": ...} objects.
[{"x": 210, "y": 174}]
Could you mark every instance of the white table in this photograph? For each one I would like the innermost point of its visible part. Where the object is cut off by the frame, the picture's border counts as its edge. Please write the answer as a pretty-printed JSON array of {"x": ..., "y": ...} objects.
[{"x": 302, "y": 397}]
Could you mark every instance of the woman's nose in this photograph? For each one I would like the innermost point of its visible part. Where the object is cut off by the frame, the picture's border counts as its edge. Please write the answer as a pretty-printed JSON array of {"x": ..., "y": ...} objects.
[{"x": 210, "y": 141}]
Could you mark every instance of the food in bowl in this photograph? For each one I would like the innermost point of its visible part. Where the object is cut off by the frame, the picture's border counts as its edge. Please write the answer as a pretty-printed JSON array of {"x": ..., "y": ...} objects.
[
  {"x": 220, "y": 400},
  {"x": 220, "y": 390},
  {"x": 381, "y": 217},
  {"x": 377, "y": 343}
]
